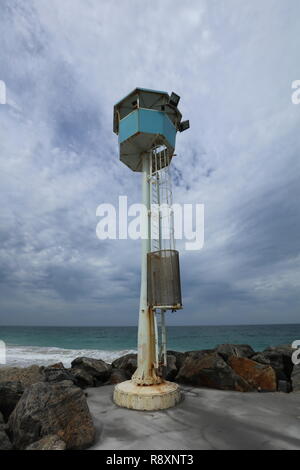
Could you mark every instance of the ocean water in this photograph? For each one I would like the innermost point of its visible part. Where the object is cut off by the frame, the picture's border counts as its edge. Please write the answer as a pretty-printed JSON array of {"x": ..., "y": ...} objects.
[{"x": 47, "y": 345}]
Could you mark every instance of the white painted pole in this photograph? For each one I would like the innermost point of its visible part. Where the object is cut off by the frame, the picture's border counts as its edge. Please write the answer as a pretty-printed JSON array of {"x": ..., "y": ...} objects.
[
  {"x": 145, "y": 373},
  {"x": 164, "y": 337},
  {"x": 156, "y": 340},
  {"x": 159, "y": 212},
  {"x": 157, "y": 352}
]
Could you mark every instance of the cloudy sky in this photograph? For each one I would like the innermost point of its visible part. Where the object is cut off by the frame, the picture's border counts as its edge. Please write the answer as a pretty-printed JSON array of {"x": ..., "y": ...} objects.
[{"x": 65, "y": 64}]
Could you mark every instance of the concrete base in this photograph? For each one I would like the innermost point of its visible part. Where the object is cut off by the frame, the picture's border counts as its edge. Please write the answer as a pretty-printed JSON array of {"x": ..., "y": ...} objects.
[{"x": 147, "y": 397}]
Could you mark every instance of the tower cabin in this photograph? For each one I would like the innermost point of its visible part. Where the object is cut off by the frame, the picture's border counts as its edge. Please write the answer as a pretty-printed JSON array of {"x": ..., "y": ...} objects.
[{"x": 145, "y": 118}]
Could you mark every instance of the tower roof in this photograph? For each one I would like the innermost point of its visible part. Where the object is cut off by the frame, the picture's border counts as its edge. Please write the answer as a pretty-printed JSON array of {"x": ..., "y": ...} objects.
[
  {"x": 147, "y": 90},
  {"x": 143, "y": 98}
]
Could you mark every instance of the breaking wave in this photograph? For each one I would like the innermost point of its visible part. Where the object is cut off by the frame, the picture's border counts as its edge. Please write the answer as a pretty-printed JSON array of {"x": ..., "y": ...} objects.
[{"x": 23, "y": 356}]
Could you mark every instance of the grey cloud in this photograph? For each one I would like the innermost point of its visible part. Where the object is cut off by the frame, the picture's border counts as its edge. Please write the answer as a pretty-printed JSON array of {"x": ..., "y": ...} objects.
[{"x": 65, "y": 67}]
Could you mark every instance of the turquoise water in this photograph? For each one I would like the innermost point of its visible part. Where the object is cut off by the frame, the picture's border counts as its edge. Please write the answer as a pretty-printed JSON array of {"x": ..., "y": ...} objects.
[{"x": 43, "y": 345}]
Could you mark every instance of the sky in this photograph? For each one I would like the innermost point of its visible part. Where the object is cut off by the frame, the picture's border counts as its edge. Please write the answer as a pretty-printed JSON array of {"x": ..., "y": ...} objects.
[{"x": 65, "y": 64}]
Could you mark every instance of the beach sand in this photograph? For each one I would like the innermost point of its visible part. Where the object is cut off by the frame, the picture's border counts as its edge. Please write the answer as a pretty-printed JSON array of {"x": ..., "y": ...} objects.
[{"x": 205, "y": 419}]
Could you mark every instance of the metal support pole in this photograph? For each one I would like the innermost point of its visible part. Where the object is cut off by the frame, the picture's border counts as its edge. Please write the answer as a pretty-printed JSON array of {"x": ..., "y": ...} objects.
[
  {"x": 164, "y": 341},
  {"x": 159, "y": 212},
  {"x": 145, "y": 373},
  {"x": 156, "y": 341}
]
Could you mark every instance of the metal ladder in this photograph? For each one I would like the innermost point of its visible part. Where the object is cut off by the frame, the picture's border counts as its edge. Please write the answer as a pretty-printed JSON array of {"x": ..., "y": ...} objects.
[{"x": 160, "y": 193}]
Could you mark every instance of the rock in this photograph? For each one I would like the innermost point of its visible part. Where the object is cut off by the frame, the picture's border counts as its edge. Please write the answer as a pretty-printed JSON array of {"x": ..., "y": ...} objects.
[
  {"x": 210, "y": 370},
  {"x": 57, "y": 374},
  {"x": 295, "y": 378},
  {"x": 10, "y": 394},
  {"x": 180, "y": 357},
  {"x": 260, "y": 377},
  {"x": 25, "y": 375},
  {"x": 81, "y": 378},
  {"x": 285, "y": 349},
  {"x": 52, "y": 442},
  {"x": 5, "y": 443},
  {"x": 98, "y": 369},
  {"x": 197, "y": 355},
  {"x": 46, "y": 409},
  {"x": 284, "y": 386},
  {"x": 127, "y": 362},
  {"x": 279, "y": 358},
  {"x": 57, "y": 365},
  {"x": 171, "y": 370},
  {"x": 118, "y": 375},
  {"x": 238, "y": 350}
]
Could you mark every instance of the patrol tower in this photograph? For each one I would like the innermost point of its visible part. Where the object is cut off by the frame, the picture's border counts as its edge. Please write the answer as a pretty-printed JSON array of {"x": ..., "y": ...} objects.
[{"x": 146, "y": 122}]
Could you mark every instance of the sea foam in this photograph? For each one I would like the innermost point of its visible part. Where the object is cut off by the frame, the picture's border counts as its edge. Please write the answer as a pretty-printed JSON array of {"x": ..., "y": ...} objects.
[{"x": 23, "y": 356}]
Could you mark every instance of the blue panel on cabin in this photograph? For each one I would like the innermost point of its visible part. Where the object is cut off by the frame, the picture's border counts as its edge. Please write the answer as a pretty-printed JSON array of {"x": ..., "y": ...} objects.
[
  {"x": 128, "y": 126},
  {"x": 169, "y": 130},
  {"x": 149, "y": 122}
]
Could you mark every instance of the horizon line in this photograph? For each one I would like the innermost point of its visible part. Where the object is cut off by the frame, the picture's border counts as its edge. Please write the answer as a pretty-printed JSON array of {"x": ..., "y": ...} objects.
[{"x": 135, "y": 326}]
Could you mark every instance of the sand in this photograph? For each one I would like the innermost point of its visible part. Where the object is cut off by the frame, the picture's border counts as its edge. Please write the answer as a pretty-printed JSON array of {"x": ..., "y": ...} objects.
[{"x": 205, "y": 419}]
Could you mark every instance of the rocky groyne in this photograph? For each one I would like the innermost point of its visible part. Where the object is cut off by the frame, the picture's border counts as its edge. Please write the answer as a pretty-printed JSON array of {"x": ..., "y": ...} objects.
[{"x": 44, "y": 408}]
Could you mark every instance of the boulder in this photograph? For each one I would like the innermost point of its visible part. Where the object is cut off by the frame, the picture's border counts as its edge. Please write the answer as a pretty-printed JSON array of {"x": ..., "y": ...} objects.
[
  {"x": 127, "y": 362},
  {"x": 295, "y": 378},
  {"x": 284, "y": 386},
  {"x": 238, "y": 350},
  {"x": 210, "y": 370},
  {"x": 57, "y": 365},
  {"x": 180, "y": 357},
  {"x": 81, "y": 378},
  {"x": 260, "y": 377},
  {"x": 57, "y": 374},
  {"x": 279, "y": 358},
  {"x": 25, "y": 375},
  {"x": 46, "y": 409},
  {"x": 10, "y": 394},
  {"x": 285, "y": 349},
  {"x": 171, "y": 370},
  {"x": 118, "y": 375},
  {"x": 198, "y": 354},
  {"x": 5, "y": 443},
  {"x": 52, "y": 442},
  {"x": 96, "y": 368}
]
